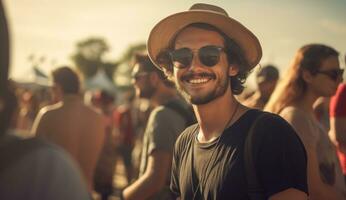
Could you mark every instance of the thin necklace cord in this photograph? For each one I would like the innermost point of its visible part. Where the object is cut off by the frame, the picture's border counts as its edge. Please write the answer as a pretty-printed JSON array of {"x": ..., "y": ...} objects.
[{"x": 212, "y": 154}]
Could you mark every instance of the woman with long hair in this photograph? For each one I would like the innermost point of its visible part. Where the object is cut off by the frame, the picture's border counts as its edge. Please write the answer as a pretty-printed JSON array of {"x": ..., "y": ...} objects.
[{"x": 315, "y": 72}]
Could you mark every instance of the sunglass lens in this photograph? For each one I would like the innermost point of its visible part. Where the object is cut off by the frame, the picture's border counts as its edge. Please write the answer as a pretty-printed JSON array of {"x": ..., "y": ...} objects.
[
  {"x": 182, "y": 57},
  {"x": 209, "y": 55},
  {"x": 335, "y": 74}
]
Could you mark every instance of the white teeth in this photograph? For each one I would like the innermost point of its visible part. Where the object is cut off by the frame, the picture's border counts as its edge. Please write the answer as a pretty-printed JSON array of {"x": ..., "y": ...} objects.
[{"x": 200, "y": 80}]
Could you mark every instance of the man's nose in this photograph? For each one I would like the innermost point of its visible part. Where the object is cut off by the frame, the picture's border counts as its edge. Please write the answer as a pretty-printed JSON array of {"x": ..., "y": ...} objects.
[{"x": 195, "y": 63}]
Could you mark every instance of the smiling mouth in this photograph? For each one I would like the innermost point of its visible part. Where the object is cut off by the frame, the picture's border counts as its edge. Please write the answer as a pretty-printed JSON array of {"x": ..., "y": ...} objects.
[{"x": 198, "y": 80}]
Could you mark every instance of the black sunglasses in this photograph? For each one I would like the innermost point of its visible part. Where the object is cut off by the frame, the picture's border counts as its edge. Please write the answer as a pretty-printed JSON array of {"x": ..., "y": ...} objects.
[
  {"x": 208, "y": 55},
  {"x": 334, "y": 74}
]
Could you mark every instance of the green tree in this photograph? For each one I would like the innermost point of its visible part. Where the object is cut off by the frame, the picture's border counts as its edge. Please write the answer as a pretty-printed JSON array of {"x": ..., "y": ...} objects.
[
  {"x": 123, "y": 74},
  {"x": 131, "y": 50},
  {"x": 88, "y": 57}
]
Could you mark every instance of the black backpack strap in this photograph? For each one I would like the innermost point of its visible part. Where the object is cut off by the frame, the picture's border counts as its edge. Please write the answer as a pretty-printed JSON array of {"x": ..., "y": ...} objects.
[
  {"x": 186, "y": 113},
  {"x": 251, "y": 147},
  {"x": 12, "y": 150}
]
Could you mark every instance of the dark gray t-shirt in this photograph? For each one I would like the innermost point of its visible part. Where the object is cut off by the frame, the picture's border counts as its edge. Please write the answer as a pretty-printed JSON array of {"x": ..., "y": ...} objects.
[
  {"x": 280, "y": 162},
  {"x": 163, "y": 128}
]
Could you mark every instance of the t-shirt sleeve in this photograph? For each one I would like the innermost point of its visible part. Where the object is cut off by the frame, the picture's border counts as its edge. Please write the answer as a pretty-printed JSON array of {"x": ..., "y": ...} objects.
[
  {"x": 282, "y": 160},
  {"x": 166, "y": 125},
  {"x": 174, "y": 185},
  {"x": 338, "y": 102},
  {"x": 181, "y": 147}
]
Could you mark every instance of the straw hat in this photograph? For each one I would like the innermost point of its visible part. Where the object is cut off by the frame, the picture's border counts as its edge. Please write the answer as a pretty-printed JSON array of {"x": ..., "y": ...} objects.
[{"x": 161, "y": 35}]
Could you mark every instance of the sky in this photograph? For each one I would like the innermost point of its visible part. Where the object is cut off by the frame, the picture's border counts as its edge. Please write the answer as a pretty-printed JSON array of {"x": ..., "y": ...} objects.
[{"x": 51, "y": 28}]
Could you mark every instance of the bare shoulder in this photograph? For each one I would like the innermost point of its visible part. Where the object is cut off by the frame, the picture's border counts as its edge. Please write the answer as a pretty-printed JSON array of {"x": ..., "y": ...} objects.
[
  {"x": 45, "y": 118},
  {"x": 292, "y": 113},
  {"x": 50, "y": 109},
  {"x": 296, "y": 117},
  {"x": 92, "y": 113},
  {"x": 303, "y": 124}
]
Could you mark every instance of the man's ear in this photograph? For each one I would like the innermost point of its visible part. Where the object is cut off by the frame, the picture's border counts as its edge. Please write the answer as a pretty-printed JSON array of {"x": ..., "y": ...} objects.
[{"x": 233, "y": 70}]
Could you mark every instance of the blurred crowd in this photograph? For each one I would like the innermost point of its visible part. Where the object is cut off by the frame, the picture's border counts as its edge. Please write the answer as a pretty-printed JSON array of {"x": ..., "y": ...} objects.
[{"x": 112, "y": 136}]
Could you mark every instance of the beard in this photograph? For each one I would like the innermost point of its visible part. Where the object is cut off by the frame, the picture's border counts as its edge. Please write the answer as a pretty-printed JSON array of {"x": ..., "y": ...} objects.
[
  {"x": 147, "y": 92},
  {"x": 219, "y": 90}
]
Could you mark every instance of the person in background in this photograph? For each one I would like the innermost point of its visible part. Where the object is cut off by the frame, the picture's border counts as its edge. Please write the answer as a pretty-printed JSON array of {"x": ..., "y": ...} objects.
[
  {"x": 126, "y": 121},
  {"x": 209, "y": 55},
  {"x": 29, "y": 107},
  {"x": 315, "y": 72},
  {"x": 337, "y": 133},
  {"x": 71, "y": 124},
  {"x": 163, "y": 127},
  {"x": 30, "y": 169},
  {"x": 266, "y": 79},
  {"x": 105, "y": 167}
]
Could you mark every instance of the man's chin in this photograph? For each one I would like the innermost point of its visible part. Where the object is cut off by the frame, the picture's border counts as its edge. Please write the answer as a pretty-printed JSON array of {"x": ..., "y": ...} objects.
[{"x": 200, "y": 100}]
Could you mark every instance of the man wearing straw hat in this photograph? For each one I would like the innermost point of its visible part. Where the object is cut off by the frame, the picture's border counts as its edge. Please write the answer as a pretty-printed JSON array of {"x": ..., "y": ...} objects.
[{"x": 209, "y": 55}]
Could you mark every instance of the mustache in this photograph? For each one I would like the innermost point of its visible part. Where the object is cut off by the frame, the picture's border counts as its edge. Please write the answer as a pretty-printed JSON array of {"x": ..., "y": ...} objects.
[{"x": 191, "y": 75}]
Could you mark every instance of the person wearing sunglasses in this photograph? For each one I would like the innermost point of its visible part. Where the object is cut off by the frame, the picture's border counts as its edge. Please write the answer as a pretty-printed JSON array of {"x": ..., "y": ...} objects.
[
  {"x": 209, "y": 55},
  {"x": 166, "y": 121},
  {"x": 315, "y": 72}
]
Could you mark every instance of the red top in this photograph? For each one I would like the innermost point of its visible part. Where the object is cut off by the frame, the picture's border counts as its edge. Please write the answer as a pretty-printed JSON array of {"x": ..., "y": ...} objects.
[
  {"x": 337, "y": 108},
  {"x": 338, "y": 102},
  {"x": 123, "y": 120}
]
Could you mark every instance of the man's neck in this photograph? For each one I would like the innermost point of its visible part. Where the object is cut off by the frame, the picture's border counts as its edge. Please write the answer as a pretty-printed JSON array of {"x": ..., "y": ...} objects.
[
  {"x": 215, "y": 116},
  {"x": 68, "y": 98}
]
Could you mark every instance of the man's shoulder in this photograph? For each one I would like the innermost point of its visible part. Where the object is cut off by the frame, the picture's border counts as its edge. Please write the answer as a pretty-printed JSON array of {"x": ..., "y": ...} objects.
[
  {"x": 49, "y": 109},
  {"x": 187, "y": 135},
  {"x": 162, "y": 109},
  {"x": 48, "y": 113},
  {"x": 91, "y": 111},
  {"x": 165, "y": 113},
  {"x": 84, "y": 110}
]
